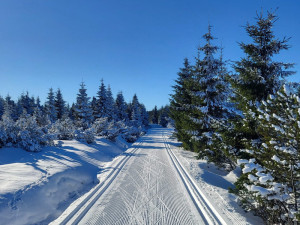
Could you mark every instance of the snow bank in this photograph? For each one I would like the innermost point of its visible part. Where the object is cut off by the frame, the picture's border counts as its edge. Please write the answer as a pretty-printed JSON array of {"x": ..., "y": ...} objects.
[{"x": 38, "y": 187}]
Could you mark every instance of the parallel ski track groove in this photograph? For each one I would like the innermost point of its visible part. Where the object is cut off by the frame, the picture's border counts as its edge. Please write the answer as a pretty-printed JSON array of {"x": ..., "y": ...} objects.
[
  {"x": 94, "y": 196},
  {"x": 206, "y": 210}
]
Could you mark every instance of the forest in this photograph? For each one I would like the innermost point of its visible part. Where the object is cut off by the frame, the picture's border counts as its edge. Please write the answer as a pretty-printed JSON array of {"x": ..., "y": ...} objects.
[{"x": 30, "y": 125}]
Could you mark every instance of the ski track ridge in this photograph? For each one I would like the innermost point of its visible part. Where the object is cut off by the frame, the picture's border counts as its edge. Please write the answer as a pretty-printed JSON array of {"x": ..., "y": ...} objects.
[
  {"x": 80, "y": 210},
  {"x": 206, "y": 210}
]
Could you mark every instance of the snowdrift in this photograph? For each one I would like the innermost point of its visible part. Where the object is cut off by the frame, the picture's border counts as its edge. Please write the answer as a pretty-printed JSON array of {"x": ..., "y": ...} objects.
[{"x": 38, "y": 187}]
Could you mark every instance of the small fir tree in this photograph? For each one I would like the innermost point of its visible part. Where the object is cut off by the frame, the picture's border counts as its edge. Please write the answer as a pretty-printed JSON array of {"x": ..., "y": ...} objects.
[{"x": 270, "y": 181}]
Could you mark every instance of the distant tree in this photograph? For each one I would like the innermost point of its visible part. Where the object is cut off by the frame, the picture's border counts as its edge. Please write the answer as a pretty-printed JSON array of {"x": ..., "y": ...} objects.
[
  {"x": 84, "y": 114},
  {"x": 110, "y": 105},
  {"x": 155, "y": 115},
  {"x": 50, "y": 106},
  {"x": 121, "y": 107},
  {"x": 38, "y": 102},
  {"x": 60, "y": 105},
  {"x": 164, "y": 116},
  {"x": 101, "y": 110},
  {"x": 144, "y": 115},
  {"x": 2, "y": 104},
  {"x": 136, "y": 111},
  {"x": 27, "y": 103},
  {"x": 94, "y": 106},
  {"x": 72, "y": 112}
]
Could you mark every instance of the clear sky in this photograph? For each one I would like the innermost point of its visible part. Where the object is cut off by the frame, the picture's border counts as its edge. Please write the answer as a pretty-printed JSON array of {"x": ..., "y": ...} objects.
[{"x": 136, "y": 46}]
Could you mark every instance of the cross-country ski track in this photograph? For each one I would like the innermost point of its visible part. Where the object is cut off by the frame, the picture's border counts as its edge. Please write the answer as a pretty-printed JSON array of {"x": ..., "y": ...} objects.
[{"x": 146, "y": 185}]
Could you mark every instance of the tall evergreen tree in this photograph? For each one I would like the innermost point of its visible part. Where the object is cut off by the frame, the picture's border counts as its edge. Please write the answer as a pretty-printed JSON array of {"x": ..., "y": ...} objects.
[
  {"x": 2, "y": 104},
  {"x": 258, "y": 75},
  {"x": 136, "y": 111},
  {"x": 94, "y": 106},
  {"x": 84, "y": 114},
  {"x": 155, "y": 115},
  {"x": 163, "y": 120},
  {"x": 180, "y": 101},
  {"x": 110, "y": 105},
  {"x": 27, "y": 103},
  {"x": 121, "y": 107},
  {"x": 144, "y": 115},
  {"x": 50, "y": 106},
  {"x": 208, "y": 94},
  {"x": 72, "y": 112},
  {"x": 60, "y": 105},
  {"x": 101, "y": 109}
]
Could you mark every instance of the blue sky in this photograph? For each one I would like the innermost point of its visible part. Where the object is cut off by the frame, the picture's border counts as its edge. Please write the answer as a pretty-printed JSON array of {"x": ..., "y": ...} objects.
[{"x": 136, "y": 46}]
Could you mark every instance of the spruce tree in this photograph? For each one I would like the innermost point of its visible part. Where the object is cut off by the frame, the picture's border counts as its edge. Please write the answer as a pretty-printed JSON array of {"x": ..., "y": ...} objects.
[
  {"x": 155, "y": 115},
  {"x": 2, "y": 104},
  {"x": 164, "y": 116},
  {"x": 13, "y": 108},
  {"x": 136, "y": 116},
  {"x": 110, "y": 105},
  {"x": 144, "y": 115},
  {"x": 207, "y": 111},
  {"x": 180, "y": 102},
  {"x": 272, "y": 175},
  {"x": 121, "y": 107},
  {"x": 257, "y": 76},
  {"x": 50, "y": 106},
  {"x": 27, "y": 103},
  {"x": 84, "y": 114},
  {"x": 101, "y": 109},
  {"x": 59, "y": 105},
  {"x": 94, "y": 106}
]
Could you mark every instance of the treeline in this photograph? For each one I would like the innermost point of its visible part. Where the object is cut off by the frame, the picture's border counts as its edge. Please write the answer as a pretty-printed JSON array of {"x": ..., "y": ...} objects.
[
  {"x": 249, "y": 117},
  {"x": 160, "y": 116},
  {"x": 30, "y": 125}
]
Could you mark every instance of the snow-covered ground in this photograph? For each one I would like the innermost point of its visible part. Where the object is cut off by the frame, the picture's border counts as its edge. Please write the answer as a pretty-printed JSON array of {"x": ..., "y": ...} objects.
[
  {"x": 142, "y": 185},
  {"x": 214, "y": 184},
  {"x": 37, "y": 187}
]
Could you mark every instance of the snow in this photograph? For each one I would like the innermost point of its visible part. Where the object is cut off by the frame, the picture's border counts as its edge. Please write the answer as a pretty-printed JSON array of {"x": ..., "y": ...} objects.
[
  {"x": 277, "y": 128},
  {"x": 263, "y": 178},
  {"x": 287, "y": 90},
  {"x": 264, "y": 145},
  {"x": 37, "y": 187},
  {"x": 214, "y": 183},
  {"x": 262, "y": 191},
  {"x": 275, "y": 158}
]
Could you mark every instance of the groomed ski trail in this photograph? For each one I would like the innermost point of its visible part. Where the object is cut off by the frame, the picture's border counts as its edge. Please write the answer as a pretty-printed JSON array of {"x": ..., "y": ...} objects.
[{"x": 147, "y": 186}]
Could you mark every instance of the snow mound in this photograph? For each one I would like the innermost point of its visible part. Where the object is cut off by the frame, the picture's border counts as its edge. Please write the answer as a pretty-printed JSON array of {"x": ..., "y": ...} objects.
[{"x": 37, "y": 187}]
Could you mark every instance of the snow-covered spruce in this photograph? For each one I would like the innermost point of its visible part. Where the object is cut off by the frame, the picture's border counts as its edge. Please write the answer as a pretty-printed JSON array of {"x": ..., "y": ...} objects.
[
  {"x": 24, "y": 133},
  {"x": 271, "y": 177},
  {"x": 207, "y": 111}
]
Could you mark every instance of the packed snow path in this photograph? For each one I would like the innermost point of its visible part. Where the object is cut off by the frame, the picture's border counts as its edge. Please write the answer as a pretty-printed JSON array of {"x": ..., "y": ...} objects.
[{"x": 148, "y": 187}]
